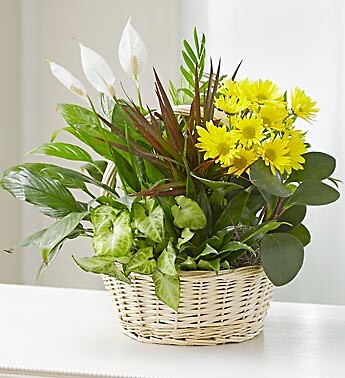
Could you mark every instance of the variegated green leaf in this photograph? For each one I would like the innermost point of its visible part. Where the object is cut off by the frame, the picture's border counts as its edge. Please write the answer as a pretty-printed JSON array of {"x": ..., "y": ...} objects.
[
  {"x": 142, "y": 262},
  {"x": 149, "y": 220},
  {"x": 188, "y": 214},
  {"x": 167, "y": 288},
  {"x": 112, "y": 231},
  {"x": 166, "y": 260}
]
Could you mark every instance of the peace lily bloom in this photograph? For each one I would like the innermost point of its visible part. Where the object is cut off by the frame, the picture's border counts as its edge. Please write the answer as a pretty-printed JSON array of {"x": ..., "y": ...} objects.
[
  {"x": 68, "y": 80},
  {"x": 132, "y": 52},
  {"x": 97, "y": 71}
]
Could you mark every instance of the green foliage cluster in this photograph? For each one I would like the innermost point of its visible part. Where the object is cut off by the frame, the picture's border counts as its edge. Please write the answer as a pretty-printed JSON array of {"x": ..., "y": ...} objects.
[{"x": 167, "y": 210}]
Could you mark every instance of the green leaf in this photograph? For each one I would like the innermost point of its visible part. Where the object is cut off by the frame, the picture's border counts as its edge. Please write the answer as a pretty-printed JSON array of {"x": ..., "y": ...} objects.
[
  {"x": 112, "y": 232},
  {"x": 187, "y": 76},
  {"x": 188, "y": 214},
  {"x": 167, "y": 288},
  {"x": 190, "y": 53},
  {"x": 217, "y": 184},
  {"x": 62, "y": 150},
  {"x": 101, "y": 265},
  {"x": 261, "y": 176},
  {"x": 313, "y": 193},
  {"x": 188, "y": 264},
  {"x": 50, "y": 196},
  {"x": 210, "y": 265},
  {"x": 149, "y": 221},
  {"x": 33, "y": 239},
  {"x": 233, "y": 211},
  {"x": 96, "y": 173},
  {"x": 166, "y": 260},
  {"x": 142, "y": 262},
  {"x": 254, "y": 234},
  {"x": 294, "y": 216},
  {"x": 77, "y": 115},
  {"x": 235, "y": 246},
  {"x": 57, "y": 232},
  {"x": 317, "y": 166},
  {"x": 282, "y": 257},
  {"x": 186, "y": 236},
  {"x": 208, "y": 251},
  {"x": 301, "y": 232}
]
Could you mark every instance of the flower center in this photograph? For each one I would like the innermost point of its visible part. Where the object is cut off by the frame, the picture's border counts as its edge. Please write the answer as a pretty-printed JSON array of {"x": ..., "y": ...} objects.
[
  {"x": 249, "y": 132},
  {"x": 240, "y": 162},
  {"x": 223, "y": 148},
  {"x": 76, "y": 90},
  {"x": 266, "y": 121},
  {"x": 271, "y": 154},
  {"x": 261, "y": 97}
]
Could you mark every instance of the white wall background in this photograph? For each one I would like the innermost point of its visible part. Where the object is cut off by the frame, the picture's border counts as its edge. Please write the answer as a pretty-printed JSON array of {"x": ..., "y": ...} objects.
[{"x": 296, "y": 42}]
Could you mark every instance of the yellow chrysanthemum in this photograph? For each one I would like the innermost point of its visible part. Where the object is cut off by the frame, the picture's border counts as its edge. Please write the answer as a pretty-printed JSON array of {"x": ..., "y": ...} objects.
[
  {"x": 296, "y": 148},
  {"x": 262, "y": 92},
  {"x": 248, "y": 131},
  {"x": 230, "y": 88},
  {"x": 275, "y": 154},
  {"x": 241, "y": 161},
  {"x": 231, "y": 104},
  {"x": 302, "y": 105},
  {"x": 215, "y": 141},
  {"x": 272, "y": 116}
]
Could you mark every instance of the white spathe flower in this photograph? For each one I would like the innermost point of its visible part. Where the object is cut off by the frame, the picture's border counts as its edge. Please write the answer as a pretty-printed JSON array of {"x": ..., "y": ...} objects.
[
  {"x": 132, "y": 51},
  {"x": 97, "y": 71},
  {"x": 68, "y": 80}
]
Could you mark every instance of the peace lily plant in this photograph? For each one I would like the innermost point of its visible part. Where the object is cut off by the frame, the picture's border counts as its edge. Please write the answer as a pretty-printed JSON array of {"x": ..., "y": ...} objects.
[{"x": 224, "y": 182}]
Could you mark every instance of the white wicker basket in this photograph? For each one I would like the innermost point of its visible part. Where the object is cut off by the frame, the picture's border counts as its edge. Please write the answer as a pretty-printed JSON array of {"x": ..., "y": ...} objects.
[{"x": 214, "y": 309}]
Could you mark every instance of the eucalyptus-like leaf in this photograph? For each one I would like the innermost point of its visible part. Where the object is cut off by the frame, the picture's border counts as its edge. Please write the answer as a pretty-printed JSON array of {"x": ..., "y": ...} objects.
[
  {"x": 97, "y": 71},
  {"x": 57, "y": 232},
  {"x": 313, "y": 193},
  {"x": 188, "y": 214},
  {"x": 101, "y": 265},
  {"x": 112, "y": 232},
  {"x": 132, "y": 52},
  {"x": 167, "y": 288},
  {"x": 68, "y": 80},
  {"x": 317, "y": 166},
  {"x": 262, "y": 178},
  {"x": 282, "y": 257},
  {"x": 302, "y": 234}
]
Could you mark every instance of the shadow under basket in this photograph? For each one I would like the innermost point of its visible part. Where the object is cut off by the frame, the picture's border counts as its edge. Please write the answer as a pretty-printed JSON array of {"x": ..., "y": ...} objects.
[{"x": 214, "y": 309}]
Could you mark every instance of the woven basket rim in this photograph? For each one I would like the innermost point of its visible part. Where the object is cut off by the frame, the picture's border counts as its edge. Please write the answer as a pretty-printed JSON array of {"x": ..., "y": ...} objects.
[{"x": 197, "y": 274}]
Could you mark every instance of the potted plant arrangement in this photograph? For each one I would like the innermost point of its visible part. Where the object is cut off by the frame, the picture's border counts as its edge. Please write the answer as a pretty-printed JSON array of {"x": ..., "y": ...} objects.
[{"x": 195, "y": 207}]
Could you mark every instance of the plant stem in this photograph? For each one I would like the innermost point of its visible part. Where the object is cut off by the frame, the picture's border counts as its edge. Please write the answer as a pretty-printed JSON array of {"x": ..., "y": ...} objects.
[
  {"x": 139, "y": 96},
  {"x": 277, "y": 210}
]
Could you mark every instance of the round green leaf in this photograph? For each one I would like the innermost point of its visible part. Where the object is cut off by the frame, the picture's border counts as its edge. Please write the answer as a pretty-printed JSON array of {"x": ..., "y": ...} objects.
[
  {"x": 282, "y": 257},
  {"x": 294, "y": 216},
  {"x": 301, "y": 232},
  {"x": 261, "y": 176},
  {"x": 314, "y": 193},
  {"x": 317, "y": 166}
]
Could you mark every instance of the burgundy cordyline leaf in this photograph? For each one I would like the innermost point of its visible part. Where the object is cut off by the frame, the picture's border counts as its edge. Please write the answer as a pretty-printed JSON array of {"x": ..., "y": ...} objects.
[
  {"x": 171, "y": 124},
  {"x": 235, "y": 73}
]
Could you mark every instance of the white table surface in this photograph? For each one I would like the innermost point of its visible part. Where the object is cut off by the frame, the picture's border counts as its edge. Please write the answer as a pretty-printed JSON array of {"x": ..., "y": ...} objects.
[{"x": 67, "y": 332}]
